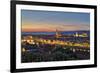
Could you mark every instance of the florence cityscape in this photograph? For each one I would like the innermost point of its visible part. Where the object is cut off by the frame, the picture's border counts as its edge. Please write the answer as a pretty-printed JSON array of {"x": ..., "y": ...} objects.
[{"x": 54, "y": 36}]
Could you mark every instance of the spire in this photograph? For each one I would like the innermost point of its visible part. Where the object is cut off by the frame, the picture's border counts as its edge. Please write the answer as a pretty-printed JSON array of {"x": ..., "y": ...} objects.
[{"x": 57, "y": 34}]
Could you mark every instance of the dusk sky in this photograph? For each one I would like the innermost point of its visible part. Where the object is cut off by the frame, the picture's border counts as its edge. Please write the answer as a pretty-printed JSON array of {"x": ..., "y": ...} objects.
[{"x": 49, "y": 21}]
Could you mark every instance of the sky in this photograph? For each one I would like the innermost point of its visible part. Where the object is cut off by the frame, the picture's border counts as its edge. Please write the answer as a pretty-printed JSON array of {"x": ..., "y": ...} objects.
[{"x": 49, "y": 21}]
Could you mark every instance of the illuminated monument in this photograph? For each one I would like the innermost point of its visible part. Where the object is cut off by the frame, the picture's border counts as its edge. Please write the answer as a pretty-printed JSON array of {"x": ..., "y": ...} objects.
[
  {"x": 81, "y": 35},
  {"x": 58, "y": 34}
]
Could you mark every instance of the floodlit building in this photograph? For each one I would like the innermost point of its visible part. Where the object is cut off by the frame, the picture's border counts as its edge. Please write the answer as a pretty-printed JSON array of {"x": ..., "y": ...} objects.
[
  {"x": 80, "y": 35},
  {"x": 58, "y": 34}
]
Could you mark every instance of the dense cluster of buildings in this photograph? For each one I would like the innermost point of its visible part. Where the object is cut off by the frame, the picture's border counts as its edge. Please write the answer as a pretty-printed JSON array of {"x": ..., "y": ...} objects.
[
  {"x": 35, "y": 40},
  {"x": 37, "y": 48}
]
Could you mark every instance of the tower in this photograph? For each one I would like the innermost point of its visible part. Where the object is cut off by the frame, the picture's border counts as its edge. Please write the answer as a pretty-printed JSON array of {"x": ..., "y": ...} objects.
[{"x": 58, "y": 34}]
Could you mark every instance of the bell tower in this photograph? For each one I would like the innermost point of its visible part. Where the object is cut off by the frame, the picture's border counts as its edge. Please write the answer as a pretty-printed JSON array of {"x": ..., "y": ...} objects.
[{"x": 58, "y": 34}]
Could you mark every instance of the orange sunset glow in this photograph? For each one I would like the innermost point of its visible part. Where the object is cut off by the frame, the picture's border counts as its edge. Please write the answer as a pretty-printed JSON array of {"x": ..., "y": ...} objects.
[{"x": 39, "y": 27}]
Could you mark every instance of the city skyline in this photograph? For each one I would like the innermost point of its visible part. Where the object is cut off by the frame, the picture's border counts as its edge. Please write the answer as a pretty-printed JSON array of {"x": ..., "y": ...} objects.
[{"x": 49, "y": 21}]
